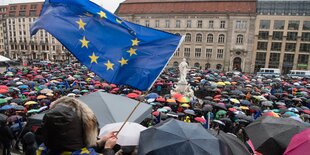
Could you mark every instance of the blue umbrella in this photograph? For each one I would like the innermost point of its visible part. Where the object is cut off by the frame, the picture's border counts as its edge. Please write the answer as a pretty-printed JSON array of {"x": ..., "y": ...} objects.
[
  {"x": 42, "y": 87},
  {"x": 76, "y": 91},
  {"x": 245, "y": 102},
  {"x": 152, "y": 95},
  {"x": 6, "y": 107},
  {"x": 23, "y": 87}
]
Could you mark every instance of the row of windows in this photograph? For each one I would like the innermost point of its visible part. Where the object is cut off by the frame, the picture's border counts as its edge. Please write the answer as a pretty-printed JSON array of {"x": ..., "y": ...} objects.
[
  {"x": 12, "y": 20},
  {"x": 210, "y": 38},
  {"x": 33, "y": 47},
  {"x": 198, "y": 53},
  {"x": 188, "y": 24},
  {"x": 197, "y": 64},
  {"x": 278, "y": 35},
  {"x": 280, "y": 24},
  {"x": 289, "y": 47}
]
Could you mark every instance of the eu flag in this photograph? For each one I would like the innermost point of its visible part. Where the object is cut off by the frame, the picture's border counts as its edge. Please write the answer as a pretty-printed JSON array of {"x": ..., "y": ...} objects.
[{"x": 118, "y": 51}]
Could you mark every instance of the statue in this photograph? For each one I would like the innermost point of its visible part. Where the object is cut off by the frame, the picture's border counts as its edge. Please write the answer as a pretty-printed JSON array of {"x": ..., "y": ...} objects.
[{"x": 183, "y": 71}]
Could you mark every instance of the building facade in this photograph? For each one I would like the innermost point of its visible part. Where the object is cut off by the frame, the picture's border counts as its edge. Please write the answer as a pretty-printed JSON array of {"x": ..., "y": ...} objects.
[
  {"x": 282, "y": 35},
  {"x": 218, "y": 34},
  {"x": 16, "y": 41}
]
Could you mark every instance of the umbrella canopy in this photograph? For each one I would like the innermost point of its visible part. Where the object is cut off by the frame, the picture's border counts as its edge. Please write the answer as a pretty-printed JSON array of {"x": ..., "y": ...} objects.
[
  {"x": 235, "y": 146},
  {"x": 183, "y": 99},
  {"x": 132, "y": 95},
  {"x": 128, "y": 136},
  {"x": 2, "y": 101},
  {"x": 110, "y": 108},
  {"x": 31, "y": 103},
  {"x": 3, "y": 117},
  {"x": 180, "y": 138},
  {"x": 299, "y": 144},
  {"x": 7, "y": 107},
  {"x": 152, "y": 95},
  {"x": 269, "y": 141}
]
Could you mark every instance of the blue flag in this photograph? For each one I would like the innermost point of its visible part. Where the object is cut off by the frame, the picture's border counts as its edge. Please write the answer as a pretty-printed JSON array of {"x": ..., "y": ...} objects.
[{"x": 118, "y": 51}]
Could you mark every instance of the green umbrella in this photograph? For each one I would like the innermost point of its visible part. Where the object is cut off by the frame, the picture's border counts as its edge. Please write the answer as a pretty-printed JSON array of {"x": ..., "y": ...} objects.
[
  {"x": 84, "y": 91},
  {"x": 276, "y": 110},
  {"x": 33, "y": 111},
  {"x": 290, "y": 113},
  {"x": 220, "y": 114},
  {"x": 2, "y": 101}
]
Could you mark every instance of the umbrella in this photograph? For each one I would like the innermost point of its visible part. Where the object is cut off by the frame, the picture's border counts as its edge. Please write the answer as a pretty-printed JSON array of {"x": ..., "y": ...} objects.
[
  {"x": 200, "y": 119},
  {"x": 299, "y": 144},
  {"x": 110, "y": 108},
  {"x": 177, "y": 137},
  {"x": 162, "y": 110},
  {"x": 235, "y": 146},
  {"x": 183, "y": 99},
  {"x": 185, "y": 105},
  {"x": 33, "y": 111},
  {"x": 245, "y": 102},
  {"x": 267, "y": 103},
  {"x": 233, "y": 100},
  {"x": 41, "y": 97},
  {"x": 2, "y": 101},
  {"x": 45, "y": 91},
  {"x": 31, "y": 103},
  {"x": 171, "y": 100},
  {"x": 152, "y": 95},
  {"x": 271, "y": 135},
  {"x": 128, "y": 136},
  {"x": 132, "y": 95},
  {"x": 14, "y": 118},
  {"x": 189, "y": 111},
  {"x": 6, "y": 107},
  {"x": 18, "y": 107},
  {"x": 3, "y": 117},
  {"x": 207, "y": 108}
]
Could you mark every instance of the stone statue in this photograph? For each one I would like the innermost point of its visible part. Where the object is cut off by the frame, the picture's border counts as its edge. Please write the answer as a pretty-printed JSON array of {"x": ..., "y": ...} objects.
[{"x": 183, "y": 67}]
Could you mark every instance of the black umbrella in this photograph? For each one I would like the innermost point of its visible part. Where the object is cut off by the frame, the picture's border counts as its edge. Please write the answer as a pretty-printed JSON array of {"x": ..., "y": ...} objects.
[
  {"x": 271, "y": 135},
  {"x": 3, "y": 118},
  {"x": 207, "y": 108},
  {"x": 235, "y": 146},
  {"x": 177, "y": 137}
]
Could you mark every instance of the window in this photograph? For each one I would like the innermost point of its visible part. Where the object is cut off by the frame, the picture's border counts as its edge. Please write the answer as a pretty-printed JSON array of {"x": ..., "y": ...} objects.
[
  {"x": 187, "y": 52},
  {"x": 210, "y": 38},
  {"x": 199, "y": 24},
  {"x": 167, "y": 23},
  {"x": 302, "y": 61},
  {"x": 290, "y": 47},
  {"x": 306, "y": 25},
  {"x": 197, "y": 65},
  {"x": 207, "y": 65},
  {"x": 189, "y": 24},
  {"x": 211, "y": 24},
  {"x": 178, "y": 24},
  {"x": 292, "y": 36},
  {"x": 288, "y": 63},
  {"x": 157, "y": 23},
  {"x": 188, "y": 37},
  {"x": 220, "y": 53},
  {"x": 305, "y": 36},
  {"x": 197, "y": 52},
  {"x": 23, "y": 7},
  {"x": 238, "y": 24},
  {"x": 208, "y": 53},
  {"x": 221, "y": 38},
  {"x": 274, "y": 60},
  {"x": 33, "y": 7},
  {"x": 32, "y": 13},
  {"x": 222, "y": 26},
  {"x": 177, "y": 53},
  {"x": 293, "y": 25},
  {"x": 199, "y": 38},
  {"x": 276, "y": 46},
  {"x": 263, "y": 35},
  {"x": 304, "y": 47},
  {"x": 260, "y": 60},
  {"x": 22, "y": 13},
  {"x": 277, "y": 35},
  {"x": 147, "y": 23},
  {"x": 239, "y": 39},
  {"x": 175, "y": 64},
  {"x": 278, "y": 24},
  {"x": 264, "y": 24}
]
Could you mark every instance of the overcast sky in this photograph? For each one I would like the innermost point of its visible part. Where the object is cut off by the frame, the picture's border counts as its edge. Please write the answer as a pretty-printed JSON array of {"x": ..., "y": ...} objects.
[{"x": 110, "y": 5}]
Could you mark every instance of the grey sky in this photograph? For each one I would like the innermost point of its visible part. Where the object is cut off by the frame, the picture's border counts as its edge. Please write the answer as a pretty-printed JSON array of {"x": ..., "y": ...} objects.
[{"x": 110, "y": 5}]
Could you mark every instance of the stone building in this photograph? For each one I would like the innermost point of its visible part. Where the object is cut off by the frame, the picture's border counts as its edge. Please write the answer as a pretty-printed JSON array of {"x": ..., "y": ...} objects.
[
  {"x": 218, "y": 34},
  {"x": 282, "y": 35}
]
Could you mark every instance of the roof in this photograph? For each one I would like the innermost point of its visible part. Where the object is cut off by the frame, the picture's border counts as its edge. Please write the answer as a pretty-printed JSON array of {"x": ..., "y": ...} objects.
[{"x": 186, "y": 6}]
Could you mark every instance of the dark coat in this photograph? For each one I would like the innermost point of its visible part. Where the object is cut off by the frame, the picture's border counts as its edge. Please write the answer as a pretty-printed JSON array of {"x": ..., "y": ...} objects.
[{"x": 6, "y": 135}]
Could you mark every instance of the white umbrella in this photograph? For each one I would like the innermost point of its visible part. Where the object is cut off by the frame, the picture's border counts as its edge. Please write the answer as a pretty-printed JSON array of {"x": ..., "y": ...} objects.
[
  {"x": 128, "y": 136},
  {"x": 4, "y": 59}
]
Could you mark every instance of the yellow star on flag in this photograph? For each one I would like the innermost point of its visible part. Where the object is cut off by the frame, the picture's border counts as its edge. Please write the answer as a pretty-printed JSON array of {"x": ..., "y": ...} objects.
[
  {"x": 81, "y": 24},
  {"x": 109, "y": 65},
  {"x": 119, "y": 21},
  {"x": 84, "y": 42},
  {"x": 102, "y": 14},
  {"x": 132, "y": 51},
  {"x": 85, "y": 151},
  {"x": 93, "y": 58},
  {"x": 123, "y": 61},
  {"x": 135, "y": 42}
]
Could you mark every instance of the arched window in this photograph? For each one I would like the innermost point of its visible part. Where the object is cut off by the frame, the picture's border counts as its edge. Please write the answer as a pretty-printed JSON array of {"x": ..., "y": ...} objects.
[
  {"x": 178, "y": 34},
  {"x": 218, "y": 66},
  {"x": 210, "y": 38},
  {"x": 239, "y": 39},
  {"x": 188, "y": 37},
  {"x": 197, "y": 65},
  {"x": 207, "y": 66},
  {"x": 199, "y": 38},
  {"x": 221, "y": 38},
  {"x": 175, "y": 64}
]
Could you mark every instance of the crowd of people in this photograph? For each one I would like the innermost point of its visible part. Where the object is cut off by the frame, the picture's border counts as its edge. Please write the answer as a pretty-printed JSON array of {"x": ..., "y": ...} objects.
[{"x": 222, "y": 102}]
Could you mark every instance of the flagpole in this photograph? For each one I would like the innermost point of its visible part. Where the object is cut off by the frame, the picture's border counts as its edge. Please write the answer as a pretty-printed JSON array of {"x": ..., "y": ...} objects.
[{"x": 133, "y": 110}]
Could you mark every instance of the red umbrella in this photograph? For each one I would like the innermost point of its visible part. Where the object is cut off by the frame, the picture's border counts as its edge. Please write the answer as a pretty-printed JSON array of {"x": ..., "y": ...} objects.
[
  {"x": 161, "y": 99},
  {"x": 3, "y": 91},
  {"x": 115, "y": 89},
  {"x": 232, "y": 109},
  {"x": 299, "y": 144},
  {"x": 113, "y": 85},
  {"x": 4, "y": 87},
  {"x": 132, "y": 95},
  {"x": 155, "y": 113},
  {"x": 137, "y": 92},
  {"x": 217, "y": 96},
  {"x": 177, "y": 95},
  {"x": 306, "y": 111},
  {"x": 200, "y": 119}
]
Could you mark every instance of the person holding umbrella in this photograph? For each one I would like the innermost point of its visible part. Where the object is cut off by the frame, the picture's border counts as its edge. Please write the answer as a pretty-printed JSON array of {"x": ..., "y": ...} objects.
[{"x": 6, "y": 137}]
